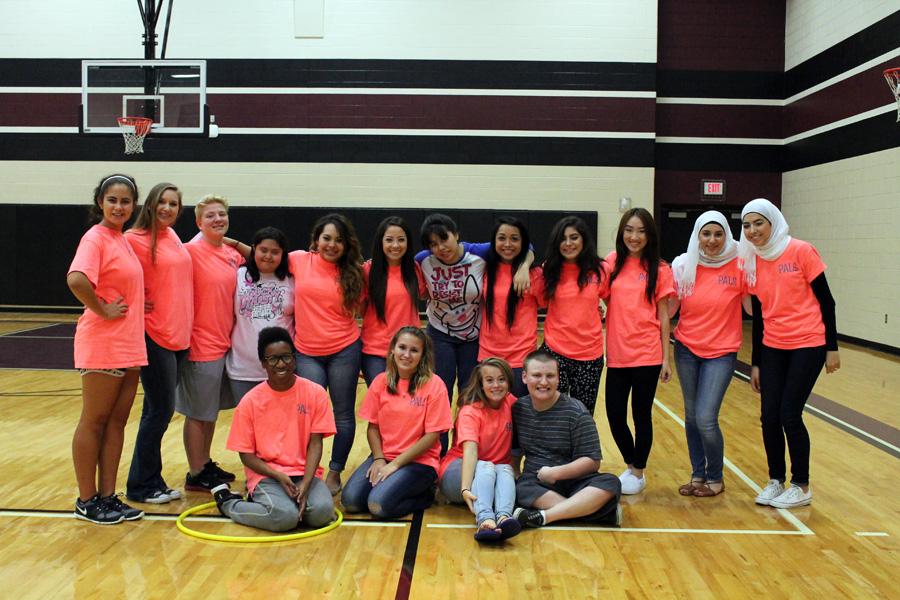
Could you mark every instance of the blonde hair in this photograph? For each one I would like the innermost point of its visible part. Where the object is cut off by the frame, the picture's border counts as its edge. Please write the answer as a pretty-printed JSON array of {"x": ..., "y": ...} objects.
[
  {"x": 474, "y": 390},
  {"x": 206, "y": 201}
]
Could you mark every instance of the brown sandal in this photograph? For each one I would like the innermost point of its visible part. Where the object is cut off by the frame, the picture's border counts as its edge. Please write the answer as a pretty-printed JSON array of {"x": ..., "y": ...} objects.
[
  {"x": 704, "y": 491},
  {"x": 688, "y": 488}
]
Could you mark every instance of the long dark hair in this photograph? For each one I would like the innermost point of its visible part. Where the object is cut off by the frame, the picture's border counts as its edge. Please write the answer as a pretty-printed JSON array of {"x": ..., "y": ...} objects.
[
  {"x": 378, "y": 273},
  {"x": 649, "y": 255},
  {"x": 425, "y": 368},
  {"x": 350, "y": 263},
  {"x": 588, "y": 262},
  {"x": 147, "y": 220},
  {"x": 268, "y": 233},
  {"x": 493, "y": 260},
  {"x": 95, "y": 214}
]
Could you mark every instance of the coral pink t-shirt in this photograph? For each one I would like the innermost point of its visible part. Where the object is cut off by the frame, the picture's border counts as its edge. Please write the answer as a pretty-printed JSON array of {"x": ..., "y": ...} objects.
[
  {"x": 490, "y": 428},
  {"x": 573, "y": 326},
  {"x": 169, "y": 284},
  {"x": 113, "y": 269},
  {"x": 403, "y": 419},
  {"x": 277, "y": 426},
  {"x": 792, "y": 316},
  {"x": 709, "y": 321},
  {"x": 496, "y": 339},
  {"x": 400, "y": 310},
  {"x": 215, "y": 278},
  {"x": 322, "y": 324},
  {"x": 632, "y": 323}
]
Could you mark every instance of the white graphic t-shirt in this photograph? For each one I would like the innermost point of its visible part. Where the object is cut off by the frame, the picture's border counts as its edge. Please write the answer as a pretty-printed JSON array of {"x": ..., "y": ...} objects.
[{"x": 454, "y": 293}]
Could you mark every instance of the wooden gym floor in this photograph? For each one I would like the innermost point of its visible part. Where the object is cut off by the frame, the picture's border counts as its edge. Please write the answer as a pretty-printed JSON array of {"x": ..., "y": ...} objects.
[{"x": 844, "y": 545}]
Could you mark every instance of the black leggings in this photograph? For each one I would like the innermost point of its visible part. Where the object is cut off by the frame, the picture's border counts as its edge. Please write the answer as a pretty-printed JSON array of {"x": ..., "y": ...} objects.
[
  {"x": 641, "y": 382},
  {"x": 786, "y": 379},
  {"x": 579, "y": 379}
]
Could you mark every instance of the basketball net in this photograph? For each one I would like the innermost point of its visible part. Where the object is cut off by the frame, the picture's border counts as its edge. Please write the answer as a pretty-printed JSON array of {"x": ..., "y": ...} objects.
[
  {"x": 892, "y": 76},
  {"x": 134, "y": 130}
]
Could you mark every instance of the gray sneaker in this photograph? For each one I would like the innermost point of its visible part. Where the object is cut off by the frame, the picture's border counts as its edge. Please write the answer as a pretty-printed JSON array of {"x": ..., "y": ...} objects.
[{"x": 97, "y": 511}]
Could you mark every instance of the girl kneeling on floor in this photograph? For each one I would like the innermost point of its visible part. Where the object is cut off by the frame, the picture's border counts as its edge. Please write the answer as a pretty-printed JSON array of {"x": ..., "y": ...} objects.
[
  {"x": 477, "y": 468},
  {"x": 407, "y": 409}
]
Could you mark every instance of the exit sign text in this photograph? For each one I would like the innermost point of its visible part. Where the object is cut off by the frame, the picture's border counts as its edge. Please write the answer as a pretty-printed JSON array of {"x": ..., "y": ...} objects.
[{"x": 713, "y": 188}]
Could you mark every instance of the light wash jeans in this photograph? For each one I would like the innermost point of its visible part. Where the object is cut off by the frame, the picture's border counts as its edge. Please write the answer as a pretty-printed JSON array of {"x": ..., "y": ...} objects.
[
  {"x": 703, "y": 385},
  {"x": 494, "y": 487},
  {"x": 273, "y": 510}
]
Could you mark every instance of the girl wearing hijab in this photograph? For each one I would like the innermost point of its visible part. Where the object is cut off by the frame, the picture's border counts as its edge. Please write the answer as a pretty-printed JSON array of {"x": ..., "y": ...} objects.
[
  {"x": 794, "y": 334},
  {"x": 707, "y": 338}
]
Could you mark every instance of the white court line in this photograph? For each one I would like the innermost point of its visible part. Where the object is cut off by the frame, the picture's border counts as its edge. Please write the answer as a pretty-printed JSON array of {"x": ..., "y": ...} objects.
[
  {"x": 871, "y": 533},
  {"x": 68, "y": 515},
  {"x": 800, "y": 525},
  {"x": 849, "y": 426},
  {"x": 642, "y": 530}
]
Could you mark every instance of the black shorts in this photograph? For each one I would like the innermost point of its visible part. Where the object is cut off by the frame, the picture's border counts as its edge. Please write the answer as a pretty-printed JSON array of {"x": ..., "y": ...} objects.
[{"x": 529, "y": 489}]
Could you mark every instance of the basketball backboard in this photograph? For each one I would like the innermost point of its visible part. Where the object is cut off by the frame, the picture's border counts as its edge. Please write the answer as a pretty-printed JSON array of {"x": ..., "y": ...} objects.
[{"x": 171, "y": 92}]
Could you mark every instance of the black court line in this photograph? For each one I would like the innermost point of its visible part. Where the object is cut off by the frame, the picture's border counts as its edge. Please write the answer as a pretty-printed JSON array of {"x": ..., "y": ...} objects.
[
  {"x": 404, "y": 583},
  {"x": 57, "y": 330},
  {"x": 51, "y": 511},
  {"x": 871, "y": 431}
]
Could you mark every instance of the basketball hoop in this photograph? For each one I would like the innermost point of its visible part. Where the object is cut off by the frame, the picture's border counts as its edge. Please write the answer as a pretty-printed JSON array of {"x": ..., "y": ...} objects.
[
  {"x": 892, "y": 76},
  {"x": 134, "y": 130}
]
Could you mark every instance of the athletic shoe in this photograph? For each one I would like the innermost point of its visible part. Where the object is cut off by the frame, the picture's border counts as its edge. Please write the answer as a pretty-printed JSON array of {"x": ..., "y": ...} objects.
[
  {"x": 772, "y": 490},
  {"x": 173, "y": 494},
  {"x": 528, "y": 517},
  {"x": 156, "y": 497},
  {"x": 97, "y": 511},
  {"x": 218, "y": 472},
  {"x": 632, "y": 484},
  {"x": 129, "y": 513},
  {"x": 792, "y": 497},
  {"x": 204, "y": 481},
  {"x": 222, "y": 494}
]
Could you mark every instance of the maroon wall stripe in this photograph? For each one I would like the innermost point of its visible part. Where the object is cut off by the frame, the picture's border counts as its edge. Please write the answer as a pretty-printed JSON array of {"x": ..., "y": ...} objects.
[
  {"x": 859, "y": 93},
  {"x": 39, "y": 110},
  {"x": 705, "y": 120},
  {"x": 721, "y": 36},
  {"x": 362, "y": 111}
]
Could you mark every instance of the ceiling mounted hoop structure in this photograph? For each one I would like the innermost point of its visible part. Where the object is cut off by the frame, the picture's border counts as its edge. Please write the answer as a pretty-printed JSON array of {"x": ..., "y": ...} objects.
[
  {"x": 134, "y": 130},
  {"x": 892, "y": 76}
]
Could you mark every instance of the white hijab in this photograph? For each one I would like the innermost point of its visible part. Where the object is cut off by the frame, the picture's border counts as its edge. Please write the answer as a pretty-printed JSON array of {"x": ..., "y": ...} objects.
[
  {"x": 684, "y": 267},
  {"x": 772, "y": 249}
]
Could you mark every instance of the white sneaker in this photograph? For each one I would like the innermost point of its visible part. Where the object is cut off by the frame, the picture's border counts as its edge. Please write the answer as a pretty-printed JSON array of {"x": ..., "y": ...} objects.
[
  {"x": 632, "y": 484},
  {"x": 772, "y": 490},
  {"x": 792, "y": 497}
]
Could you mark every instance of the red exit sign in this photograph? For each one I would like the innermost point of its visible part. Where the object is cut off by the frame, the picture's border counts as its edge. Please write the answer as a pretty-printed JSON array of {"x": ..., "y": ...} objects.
[{"x": 714, "y": 188}]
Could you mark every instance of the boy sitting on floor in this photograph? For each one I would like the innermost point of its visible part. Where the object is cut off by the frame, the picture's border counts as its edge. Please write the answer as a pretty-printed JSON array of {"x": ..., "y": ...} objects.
[{"x": 278, "y": 429}]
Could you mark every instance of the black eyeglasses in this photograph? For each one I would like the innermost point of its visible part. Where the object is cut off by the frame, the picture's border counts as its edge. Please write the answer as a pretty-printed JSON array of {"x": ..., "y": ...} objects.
[{"x": 283, "y": 358}]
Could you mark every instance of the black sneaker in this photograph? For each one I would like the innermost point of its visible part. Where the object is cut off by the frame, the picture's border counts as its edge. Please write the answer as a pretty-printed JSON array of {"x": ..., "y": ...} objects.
[
  {"x": 97, "y": 511},
  {"x": 612, "y": 519},
  {"x": 129, "y": 513},
  {"x": 218, "y": 472},
  {"x": 528, "y": 517},
  {"x": 222, "y": 494},
  {"x": 204, "y": 481}
]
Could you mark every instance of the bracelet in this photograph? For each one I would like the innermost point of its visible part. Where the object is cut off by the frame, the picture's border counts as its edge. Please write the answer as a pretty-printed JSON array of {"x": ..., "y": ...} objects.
[
  {"x": 465, "y": 490},
  {"x": 379, "y": 458}
]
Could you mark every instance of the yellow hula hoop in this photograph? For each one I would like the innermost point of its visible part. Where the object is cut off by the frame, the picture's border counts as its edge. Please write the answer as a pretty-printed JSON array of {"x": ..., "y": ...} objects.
[{"x": 179, "y": 523}]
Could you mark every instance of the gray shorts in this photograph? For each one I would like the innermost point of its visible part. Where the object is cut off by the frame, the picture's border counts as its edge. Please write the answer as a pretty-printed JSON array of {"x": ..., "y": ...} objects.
[
  {"x": 529, "y": 489},
  {"x": 204, "y": 390}
]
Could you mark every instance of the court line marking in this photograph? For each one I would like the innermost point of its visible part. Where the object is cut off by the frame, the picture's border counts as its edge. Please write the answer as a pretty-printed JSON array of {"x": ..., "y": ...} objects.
[
  {"x": 862, "y": 432},
  {"x": 69, "y": 515},
  {"x": 871, "y": 533},
  {"x": 642, "y": 529},
  {"x": 14, "y": 333},
  {"x": 793, "y": 520}
]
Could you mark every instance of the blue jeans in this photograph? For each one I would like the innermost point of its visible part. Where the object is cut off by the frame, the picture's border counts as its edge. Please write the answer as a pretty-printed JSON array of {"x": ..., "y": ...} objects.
[
  {"x": 372, "y": 366},
  {"x": 409, "y": 489},
  {"x": 454, "y": 361},
  {"x": 339, "y": 373},
  {"x": 703, "y": 385},
  {"x": 160, "y": 380},
  {"x": 494, "y": 487}
]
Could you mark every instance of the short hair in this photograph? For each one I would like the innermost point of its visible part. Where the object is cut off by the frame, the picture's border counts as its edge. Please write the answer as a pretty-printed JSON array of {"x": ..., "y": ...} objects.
[
  {"x": 439, "y": 225},
  {"x": 206, "y": 201},
  {"x": 276, "y": 235},
  {"x": 540, "y": 355},
  {"x": 272, "y": 335}
]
